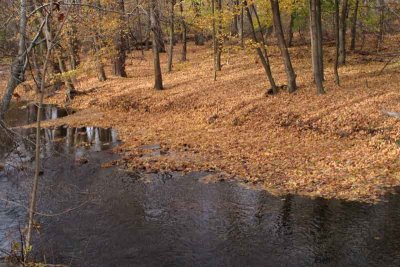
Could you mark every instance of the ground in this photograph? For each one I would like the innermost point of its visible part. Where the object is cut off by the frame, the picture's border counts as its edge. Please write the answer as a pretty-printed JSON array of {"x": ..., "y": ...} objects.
[{"x": 337, "y": 145}]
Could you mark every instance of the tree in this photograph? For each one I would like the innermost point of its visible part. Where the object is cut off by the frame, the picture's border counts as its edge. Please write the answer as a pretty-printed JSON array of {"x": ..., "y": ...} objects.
[
  {"x": 336, "y": 62},
  {"x": 316, "y": 43},
  {"x": 158, "y": 83},
  {"x": 342, "y": 33},
  {"x": 119, "y": 61},
  {"x": 18, "y": 65},
  {"x": 171, "y": 36},
  {"x": 263, "y": 57},
  {"x": 354, "y": 26},
  {"x": 291, "y": 76},
  {"x": 184, "y": 34}
]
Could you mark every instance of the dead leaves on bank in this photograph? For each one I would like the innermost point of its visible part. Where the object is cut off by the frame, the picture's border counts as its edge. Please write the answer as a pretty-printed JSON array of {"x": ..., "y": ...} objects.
[{"x": 336, "y": 145}]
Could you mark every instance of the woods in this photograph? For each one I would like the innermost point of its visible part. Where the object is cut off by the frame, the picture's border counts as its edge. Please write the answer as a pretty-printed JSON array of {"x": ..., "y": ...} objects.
[
  {"x": 114, "y": 29},
  {"x": 294, "y": 96}
]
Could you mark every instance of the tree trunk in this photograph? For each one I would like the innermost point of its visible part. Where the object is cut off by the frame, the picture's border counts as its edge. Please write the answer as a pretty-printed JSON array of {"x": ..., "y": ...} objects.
[
  {"x": 381, "y": 23},
  {"x": 119, "y": 61},
  {"x": 290, "y": 31},
  {"x": 315, "y": 19},
  {"x": 158, "y": 30},
  {"x": 139, "y": 23},
  {"x": 171, "y": 37},
  {"x": 198, "y": 37},
  {"x": 354, "y": 27},
  {"x": 184, "y": 34},
  {"x": 101, "y": 74},
  {"x": 241, "y": 29},
  {"x": 263, "y": 57},
  {"x": 158, "y": 84},
  {"x": 18, "y": 65},
  {"x": 219, "y": 36},
  {"x": 342, "y": 33},
  {"x": 215, "y": 43},
  {"x": 67, "y": 81},
  {"x": 321, "y": 40},
  {"x": 336, "y": 63},
  {"x": 291, "y": 76}
]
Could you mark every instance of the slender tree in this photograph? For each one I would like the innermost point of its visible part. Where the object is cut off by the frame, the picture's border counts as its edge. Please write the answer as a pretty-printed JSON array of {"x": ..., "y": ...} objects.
[
  {"x": 336, "y": 62},
  {"x": 354, "y": 26},
  {"x": 184, "y": 34},
  {"x": 18, "y": 65},
  {"x": 316, "y": 41},
  {"x": 158, "y": 83},
  {"x": 219, "y": 36},
  {"x": 119, "y": 61},
  {"x": 263, "y": 57},
  {"x": 171, "y": 36},
  {"x": 291, "y": 76},
  {"x": 290, "y": 30},
  {"x": 342, "y": 33}
]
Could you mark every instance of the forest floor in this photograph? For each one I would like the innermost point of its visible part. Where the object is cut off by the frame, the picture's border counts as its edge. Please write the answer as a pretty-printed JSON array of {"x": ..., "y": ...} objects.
[{"x": 338, "y": 145}]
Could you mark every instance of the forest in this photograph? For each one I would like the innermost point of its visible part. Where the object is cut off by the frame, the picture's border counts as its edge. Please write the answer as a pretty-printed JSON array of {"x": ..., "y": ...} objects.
[{"x": 297, "y": 100}]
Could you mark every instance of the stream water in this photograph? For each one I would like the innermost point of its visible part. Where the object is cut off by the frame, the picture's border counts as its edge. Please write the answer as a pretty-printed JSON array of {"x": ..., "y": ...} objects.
[{"x": 114, "y": 217}]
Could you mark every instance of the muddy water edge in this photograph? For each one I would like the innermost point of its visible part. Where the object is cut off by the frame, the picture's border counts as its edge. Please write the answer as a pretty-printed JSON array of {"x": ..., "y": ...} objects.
[{"x": 94, "y": 216}]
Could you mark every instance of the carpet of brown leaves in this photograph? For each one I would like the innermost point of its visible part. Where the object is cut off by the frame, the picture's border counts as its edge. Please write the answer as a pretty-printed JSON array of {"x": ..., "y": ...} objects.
[{"x": 336, "y": 145}]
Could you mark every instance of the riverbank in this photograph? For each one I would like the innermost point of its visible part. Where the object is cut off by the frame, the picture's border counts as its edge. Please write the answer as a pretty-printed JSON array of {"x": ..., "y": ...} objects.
[{"x": 339, "y": 145}]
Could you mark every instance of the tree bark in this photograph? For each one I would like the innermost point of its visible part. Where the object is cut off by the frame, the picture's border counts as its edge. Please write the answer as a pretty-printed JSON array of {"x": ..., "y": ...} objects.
[
  {"x": 336, "y": 63},
  {"x": 171, "y": 37},
  {"x": 184, "y": 34},
  {"x": 263, "y": 57},
  {"x": 290, "y": 31},
  {"x": 158, "y": 83},
  {"x": 316, "y": 40},
  {"x": 67, "y": 81},
  {"x": 119, "y": 61},
  {"x": 219, "y": 36},
  {"x": 354, "y": 26},
  {"x": 18, "y": 65},
  {"x": 291, "y": 76},
  {"x": 342, "y": 33}
]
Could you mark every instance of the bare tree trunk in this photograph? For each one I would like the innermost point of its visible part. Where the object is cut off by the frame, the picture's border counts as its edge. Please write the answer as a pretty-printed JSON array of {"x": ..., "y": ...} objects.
[
  {"x": 315, "y": 43},
  {"x": 219, "y": 36},
  {"x": 101, "y": 74},
  {"x": 321, "y": 40},
  {"x": 263, "y": 57},
  {"x": 68, "y": 82},
  {"x": 290, "y": 30},
  {"x": 198, "y": 37},
  {"x": 184, "y": 34},
  {"x": 354, "y": 26},
  {"x": 171, "y": 37},
  {"x": 241, "y": 28},
  {"x": 160, "y": 34},
  {"x": 291, "y": 76},
  {"x": 381, "y": 23},
  {"x": 140, "y": 35},
  {"x": 215, "y": 42},
  {"x": 119, "y": 61},
  {"x": 336, "y": 63},
  {"x": 342, "y": 33},
  {"x": 158, "y": 84},
  {"x": 18, "y": 65}
]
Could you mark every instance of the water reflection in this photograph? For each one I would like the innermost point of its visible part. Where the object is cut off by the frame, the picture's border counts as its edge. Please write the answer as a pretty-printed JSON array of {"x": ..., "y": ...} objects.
[
  {"x": 183, "y": 222},
  {"x": 26, "y": 113},
  {"x": 61, "y": 142}
]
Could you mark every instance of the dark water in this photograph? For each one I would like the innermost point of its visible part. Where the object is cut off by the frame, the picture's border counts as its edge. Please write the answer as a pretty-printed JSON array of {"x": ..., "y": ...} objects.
[{"x": 114, "y": 217}]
